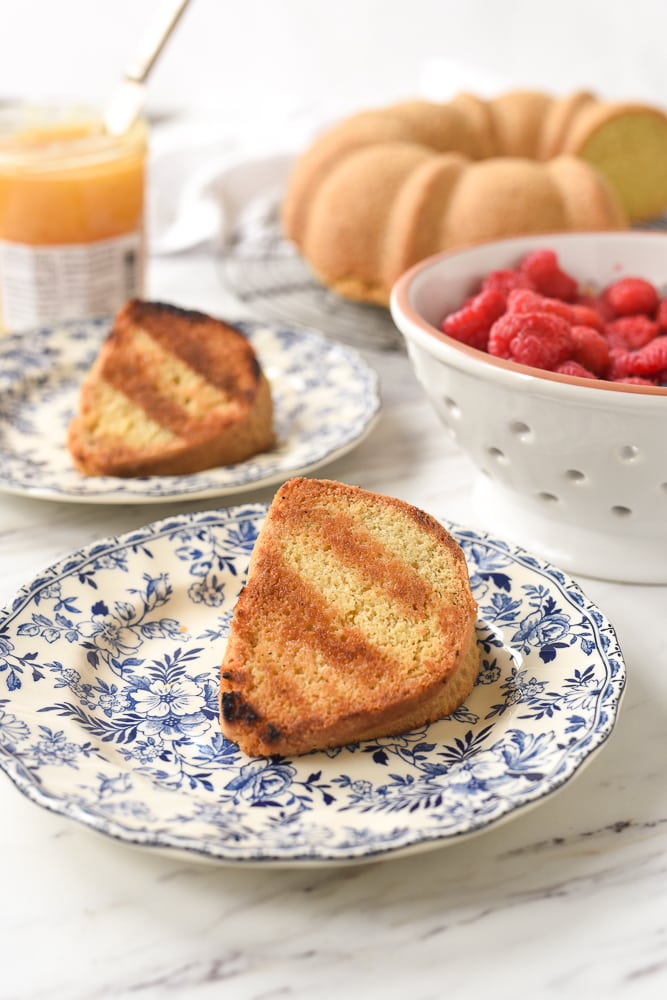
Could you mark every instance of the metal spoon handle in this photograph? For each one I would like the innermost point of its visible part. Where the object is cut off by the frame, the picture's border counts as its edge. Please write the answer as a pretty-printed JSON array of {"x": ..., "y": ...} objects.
[
  {"x": 128, "y": 100},
  {"x": 154, "y": 40}
]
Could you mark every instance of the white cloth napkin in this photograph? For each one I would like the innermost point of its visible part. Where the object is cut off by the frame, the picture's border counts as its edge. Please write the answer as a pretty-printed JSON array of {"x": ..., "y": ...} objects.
[{"x": 205, "y": 185}]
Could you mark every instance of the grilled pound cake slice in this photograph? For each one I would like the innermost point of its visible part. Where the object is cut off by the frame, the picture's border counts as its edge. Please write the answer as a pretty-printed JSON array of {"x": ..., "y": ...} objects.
[
  {"x": 356, "y": 621},
  {"x": 171, "y": 392}
]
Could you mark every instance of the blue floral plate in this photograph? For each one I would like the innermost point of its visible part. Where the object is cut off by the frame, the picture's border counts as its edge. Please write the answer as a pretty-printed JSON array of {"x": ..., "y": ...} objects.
[
  {"x": 108, "y": 707},
  {"x": 326, "y": 400}
]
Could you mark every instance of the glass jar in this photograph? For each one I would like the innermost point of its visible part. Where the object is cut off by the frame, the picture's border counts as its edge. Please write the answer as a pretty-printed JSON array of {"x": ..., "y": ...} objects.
[{"x": 72, "y": 242}]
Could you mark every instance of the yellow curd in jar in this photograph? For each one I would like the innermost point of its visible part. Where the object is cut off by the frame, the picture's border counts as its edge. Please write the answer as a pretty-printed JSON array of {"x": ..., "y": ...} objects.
[{"x": 71, "y": 216}]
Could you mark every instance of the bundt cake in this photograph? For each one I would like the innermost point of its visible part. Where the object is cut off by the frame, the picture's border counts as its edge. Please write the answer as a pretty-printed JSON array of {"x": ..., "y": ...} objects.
[
  {"x": 356, "y": 621},
  {"x": 171, "y": 392},
  {"x": 385, "y": 188}
]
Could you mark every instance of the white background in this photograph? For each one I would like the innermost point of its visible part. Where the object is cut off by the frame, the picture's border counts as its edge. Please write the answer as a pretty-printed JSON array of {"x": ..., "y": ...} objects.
[{"x": 244, "y": 62}]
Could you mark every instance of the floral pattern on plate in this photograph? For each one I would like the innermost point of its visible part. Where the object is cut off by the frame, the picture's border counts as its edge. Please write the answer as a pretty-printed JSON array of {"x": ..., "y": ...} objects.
[
  {"x": 109, "y": 667},
  {"x": 326, "y": 400}
]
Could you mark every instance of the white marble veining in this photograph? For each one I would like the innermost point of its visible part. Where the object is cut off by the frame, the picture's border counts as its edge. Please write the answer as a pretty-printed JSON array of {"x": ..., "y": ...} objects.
[{"x": 567, "y": 899}]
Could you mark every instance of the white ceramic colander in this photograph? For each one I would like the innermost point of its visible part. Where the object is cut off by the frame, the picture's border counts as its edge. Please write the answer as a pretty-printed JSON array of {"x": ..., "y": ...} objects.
[{"x": 572, "y": 469}]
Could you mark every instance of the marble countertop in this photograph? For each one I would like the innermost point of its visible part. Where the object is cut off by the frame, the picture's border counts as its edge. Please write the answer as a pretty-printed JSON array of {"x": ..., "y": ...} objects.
[{"x": 567, "y": 899}]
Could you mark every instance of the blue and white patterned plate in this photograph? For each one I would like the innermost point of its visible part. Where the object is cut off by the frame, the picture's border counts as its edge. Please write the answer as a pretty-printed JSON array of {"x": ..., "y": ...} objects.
[
  {"x": 326, "y": 400},
  {"x": 109, "y": 667}
]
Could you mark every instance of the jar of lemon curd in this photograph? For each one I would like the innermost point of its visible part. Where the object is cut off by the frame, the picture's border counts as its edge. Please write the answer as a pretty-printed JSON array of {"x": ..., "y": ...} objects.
[{"x": 71, "y": 216}]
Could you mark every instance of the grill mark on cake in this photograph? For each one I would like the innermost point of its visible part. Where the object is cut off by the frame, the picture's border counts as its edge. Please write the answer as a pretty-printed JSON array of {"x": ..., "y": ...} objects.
[
  {"x": 153, "y": 311},
  {"x": 424, "y": 522},
  {"x": 115, "y": 417},
  {"x": 357, "y": 549},
  {"x": 162, "y": 384},
  {"x": 314, "y": 623},
  {"x": 360, "y": 550},
  {"x": 236, "y": 375},
  {"x": 161, "y": 410}
]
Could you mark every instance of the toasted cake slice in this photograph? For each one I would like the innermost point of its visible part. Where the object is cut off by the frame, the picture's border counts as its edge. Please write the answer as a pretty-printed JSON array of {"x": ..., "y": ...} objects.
[
  {"x": 171, "y": 392},
  {"x": 356, "y": 621}
]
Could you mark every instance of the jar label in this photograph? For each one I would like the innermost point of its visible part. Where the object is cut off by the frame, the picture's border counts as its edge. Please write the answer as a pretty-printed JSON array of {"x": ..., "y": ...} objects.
[{"x": 42, "y": 285}]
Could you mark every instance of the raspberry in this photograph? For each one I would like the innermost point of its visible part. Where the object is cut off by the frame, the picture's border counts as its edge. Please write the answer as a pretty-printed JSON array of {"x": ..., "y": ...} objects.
[
  {"x": 542, "y": 268},
  {"x": 661, "y": 316},
  {"x": 629, "y": 296},
  {"x": 651, "y": 359},
  {"x": 616, "y": 342},
  {"x": 525, "y": 300},
  {"x": 576, "y": 313},
  {"x": 631, "y": 332},
  {"x": 472, "y": 322},
  {"x": 621, "y": 365},
  {"x": 537, "y": 339},
  {"x": 590, "y": 349},
  {"x": 583, "y": 315},
  {"x": 574, "y": 368},
  {"x": 504, "y": 280}
]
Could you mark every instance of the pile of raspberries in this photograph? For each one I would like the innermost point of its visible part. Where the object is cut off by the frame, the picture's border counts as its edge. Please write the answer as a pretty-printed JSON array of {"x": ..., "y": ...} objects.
[{"x": 537, "y": 315}]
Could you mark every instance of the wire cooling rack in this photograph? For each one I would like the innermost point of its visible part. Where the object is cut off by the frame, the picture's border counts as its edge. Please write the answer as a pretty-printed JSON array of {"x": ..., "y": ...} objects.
[{"x": 266, "y": 274}]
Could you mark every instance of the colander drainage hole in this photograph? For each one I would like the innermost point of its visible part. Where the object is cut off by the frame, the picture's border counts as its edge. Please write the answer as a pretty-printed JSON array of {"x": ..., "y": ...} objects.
[
  {"x": 496, "y": 454},
  {"x": 453, "y": 407},
  {"x": 618, "y": 510},
  {"x": 629, "y": 453},
  {"x": 547, "y": 497},
  {"x": 521, "y": 430},
  {"x": 575, "y": 475}
]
